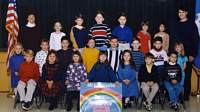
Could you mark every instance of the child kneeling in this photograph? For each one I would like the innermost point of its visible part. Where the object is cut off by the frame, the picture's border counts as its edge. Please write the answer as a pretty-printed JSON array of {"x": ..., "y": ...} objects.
[{"x": 28, "y": 76}]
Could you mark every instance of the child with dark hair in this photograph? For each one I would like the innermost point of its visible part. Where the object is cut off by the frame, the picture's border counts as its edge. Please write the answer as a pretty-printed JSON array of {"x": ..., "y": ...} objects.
[
  {"x": 127, "y": 75},
  {"x": 90, "y": 55},
  {"x": 100, "y": 32},
  {"x": 144, "y": 37},
  {"x": 114, "y": 53},
  {"x": 173, "y": 75},
  {"x": 76, "y": 73},
  {"x": 123, "y": 32},
  {"x": 160, "y": 58},
  {"x": 78, "y": 33},
  {"x": 148, "y": 77},
  {"x": 51, "y": 80},
  {"x": 102, "y": 71}
]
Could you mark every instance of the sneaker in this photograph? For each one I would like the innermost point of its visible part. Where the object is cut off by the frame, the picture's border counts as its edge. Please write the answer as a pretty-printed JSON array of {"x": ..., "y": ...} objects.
[
  {"x": 26, "y": 106},
  {"x": 68, "y": 109},
  {"x": 148, "y": 107},
  {"x": 145, "y": 103}
]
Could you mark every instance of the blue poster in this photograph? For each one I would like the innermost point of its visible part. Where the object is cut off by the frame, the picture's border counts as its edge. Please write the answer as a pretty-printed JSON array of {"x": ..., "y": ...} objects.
[{"x": 101, "y": 97}]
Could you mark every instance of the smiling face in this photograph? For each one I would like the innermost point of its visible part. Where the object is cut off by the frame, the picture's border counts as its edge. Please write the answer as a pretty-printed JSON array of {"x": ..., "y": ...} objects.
[
  {"x": 102, "y": 58},
  {"x": 44, "y": 46},
  {"x": 157, "y": 44},
  {"x": 91, "y": 43},
  {"x": 126, "y": 57},
  {"x": 52, "y": 58},
  {"x": 76, "y": 58},
  {"x": 114, "y": 43},
  {"x": 173, "y": 58},
  {"x": 136, "y": 44},
  {"x": 182, "y": 14},
  {"x": 162, "y": 27},
  {"x": 65, "y": 44},
  {"x": 145, "y": 27},
  {"x": 149, "y": 61},
  {"x": 99, "y": 18},
  {"x": 79, "y": 21},
  {"x": 18, "y": 49}
]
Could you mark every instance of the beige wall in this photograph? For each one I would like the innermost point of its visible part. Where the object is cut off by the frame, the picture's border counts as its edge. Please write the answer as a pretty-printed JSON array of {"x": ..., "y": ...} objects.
[{"x": 4, "y": 78}]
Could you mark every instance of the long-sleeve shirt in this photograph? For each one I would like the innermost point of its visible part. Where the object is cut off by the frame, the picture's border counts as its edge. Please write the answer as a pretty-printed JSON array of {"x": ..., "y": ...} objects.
[
  {"x": 40, "y": 59},
  {"x": 76, "y": 73},
  {"x": 102, "y": 72},
  {"x": 101, "y": 33},
  {"x": 123, "y": 34},
  {"x": 79, "y": 37},
  {"x": 160, "y": 57},
  {"x": 90, "y": 57},
  {"x": 145, "y": 76},
  {"x": 138, "y": 58},
  {"x": 187, "y": 33},
  {"x": 55, "y": 40},
  {"x": 128, "y": 73},
  {"x": 29, "y": 71},
  {"x": 173, "y": 72},
  {"x": 15, "y": 62}
]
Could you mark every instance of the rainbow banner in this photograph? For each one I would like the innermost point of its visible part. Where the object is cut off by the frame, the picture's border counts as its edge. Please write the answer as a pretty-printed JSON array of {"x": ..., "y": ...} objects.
[{"x": 100, "y": 97}]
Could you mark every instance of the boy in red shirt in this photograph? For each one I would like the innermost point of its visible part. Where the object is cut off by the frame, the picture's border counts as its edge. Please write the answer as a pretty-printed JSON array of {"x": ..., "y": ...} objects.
[{"x": 28, "y": 76}]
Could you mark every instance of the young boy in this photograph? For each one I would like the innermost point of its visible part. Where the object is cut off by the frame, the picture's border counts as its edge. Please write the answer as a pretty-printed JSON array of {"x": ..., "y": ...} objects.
[
  {"x": 123, "y": 32},
  {"x": 148, "y": 78},
  {"x": 173, "y": 74},
  {"x": 28, "y": 76},
  {"x": 138, "y": 56},
  {"x": 64, "y": 58},
  {"x": 41, "y": 55},
  {"x": 160, "y": 58},
  {"x": 114, "y": 54},
  {"x": 100, "y": 32}
]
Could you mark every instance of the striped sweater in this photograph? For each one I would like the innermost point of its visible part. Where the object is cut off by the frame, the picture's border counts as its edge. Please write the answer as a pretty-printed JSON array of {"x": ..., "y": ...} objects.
[{"x": 100, "y": 33}]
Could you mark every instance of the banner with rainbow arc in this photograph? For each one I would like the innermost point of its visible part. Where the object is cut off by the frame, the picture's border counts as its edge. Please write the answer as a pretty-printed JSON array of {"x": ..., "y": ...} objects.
[{"x": 100, "y": 97}]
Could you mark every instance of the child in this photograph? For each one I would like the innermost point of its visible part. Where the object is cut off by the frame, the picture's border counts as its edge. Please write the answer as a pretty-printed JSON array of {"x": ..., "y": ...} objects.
[
  {"x": 102, "y": 71},
  {"x": 100, "y": 32},
  {"x": 172, "y": 81},
  {"x": 114, "y": 54},
  {"x": 164, "y": 36},
  {"x": 147, "y": 76},
  {"x": 160, "y": 58},
  {"x": 144, "y": 37},
  {"x": 182, "y": 59},
  {"x": 123, "y": 33},
  {"x": 55, "y": 37},
  {"x": 76, "y": 73},
  {"x": 127, "y": 75},
  {"x": 15, "y": 61},
  {"x": 30, "y": 34},
  {"x": 138, "y": 56},
  {"x": 90, "y": 55},
  {"x": 28, "y": 76},
  {"x": 41, "y": 55},
  {"x": 79, "y": 34},
  {"x": 64, "y": 58},
  {"x": 51, "y": 80}
]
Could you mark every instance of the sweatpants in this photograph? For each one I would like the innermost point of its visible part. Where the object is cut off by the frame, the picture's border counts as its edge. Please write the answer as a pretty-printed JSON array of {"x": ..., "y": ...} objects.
[
  {"x": 149, "y": 92},
  {"x": 30, "y": 88}
]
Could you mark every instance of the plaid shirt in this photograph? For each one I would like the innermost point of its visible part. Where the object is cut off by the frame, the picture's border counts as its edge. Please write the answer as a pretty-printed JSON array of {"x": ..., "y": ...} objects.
[{"x": 76, "y": 73}]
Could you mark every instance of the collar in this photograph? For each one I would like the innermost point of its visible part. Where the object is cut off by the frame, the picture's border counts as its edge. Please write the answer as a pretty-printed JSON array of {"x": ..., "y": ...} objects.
[
  {"x": 31, "y": 25},
  {"x": 170, "y": 63}
]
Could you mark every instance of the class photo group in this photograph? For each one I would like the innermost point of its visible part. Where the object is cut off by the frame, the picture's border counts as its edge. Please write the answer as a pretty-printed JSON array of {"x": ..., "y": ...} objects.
[{"x": 146, "y": 64}]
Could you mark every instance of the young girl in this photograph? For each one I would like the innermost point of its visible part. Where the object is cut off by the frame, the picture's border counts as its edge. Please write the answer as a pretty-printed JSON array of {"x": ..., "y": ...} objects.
[
  {"x": 51, "y": 79},
  {"x": 182, "y": 59},
  {"x": 16, "y": 59},
  {"x": 79, "y": 34},
  {"x": 55, "y": 37},
  {"x": 90, "y": 55},
  {"x": 100, "y": 32},
  {"x": 102, "y": 71},
  {"x": 76, "y": 73},
  {"x": 164, "y": 36},
  {"x": 144, "y": 37},
  {"x": 127, "y": 75}
]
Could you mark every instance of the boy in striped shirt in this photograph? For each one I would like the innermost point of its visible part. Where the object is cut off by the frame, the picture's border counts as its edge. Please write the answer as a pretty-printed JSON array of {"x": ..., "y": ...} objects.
[{"x": 100, "y": 32}]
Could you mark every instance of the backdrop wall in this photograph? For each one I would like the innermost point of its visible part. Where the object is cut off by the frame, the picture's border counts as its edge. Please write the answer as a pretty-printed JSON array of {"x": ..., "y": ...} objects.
[{"x": 48, "y": 11}]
